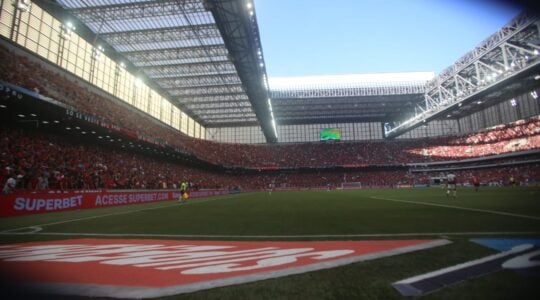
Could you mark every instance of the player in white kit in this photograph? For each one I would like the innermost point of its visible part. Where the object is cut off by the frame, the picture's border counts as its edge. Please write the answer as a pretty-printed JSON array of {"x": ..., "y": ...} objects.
[{"x": 451, "y": 185}]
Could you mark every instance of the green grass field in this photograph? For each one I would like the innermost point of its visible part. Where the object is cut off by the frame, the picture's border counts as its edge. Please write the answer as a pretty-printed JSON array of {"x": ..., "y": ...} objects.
[{"x": 321, "y": 215}]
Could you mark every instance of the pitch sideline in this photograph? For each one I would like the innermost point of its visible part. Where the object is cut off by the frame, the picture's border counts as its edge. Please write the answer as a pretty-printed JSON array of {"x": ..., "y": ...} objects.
[{"x": 14, "y": 230}]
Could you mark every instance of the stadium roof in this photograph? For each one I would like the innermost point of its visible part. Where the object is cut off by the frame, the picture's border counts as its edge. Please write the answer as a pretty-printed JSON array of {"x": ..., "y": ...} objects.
[
  {"x": 206, "y": 57},
  {"x": 203, "y": 55},
  {"x": 346, "y": 98},
  {"x": 344, "y": 81}
]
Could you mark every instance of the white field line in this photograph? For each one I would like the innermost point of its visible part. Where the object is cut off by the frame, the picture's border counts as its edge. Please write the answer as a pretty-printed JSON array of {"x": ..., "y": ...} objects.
[
  {"x": 360, "y": 235},
  {"x": 502, "y": 213},
  {"x": 113, "y": 214},
  {"x": 446, "y": 270}
]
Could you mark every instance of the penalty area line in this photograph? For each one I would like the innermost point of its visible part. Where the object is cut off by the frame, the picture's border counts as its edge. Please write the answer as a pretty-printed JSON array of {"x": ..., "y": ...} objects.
[{"x": 502, "y": 213}]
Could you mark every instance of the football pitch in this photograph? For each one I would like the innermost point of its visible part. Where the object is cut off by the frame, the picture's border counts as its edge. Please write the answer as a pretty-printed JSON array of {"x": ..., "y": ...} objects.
[{"x": 337, "y": 215}]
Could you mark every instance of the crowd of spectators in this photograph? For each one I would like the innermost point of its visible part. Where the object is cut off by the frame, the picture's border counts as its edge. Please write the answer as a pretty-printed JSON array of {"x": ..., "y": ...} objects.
[
  {"x": 518, "y": 129},
  {"x": 41, "y": 161},
  {"x": 518, "y": 136},
  {"x": 37, "y": 161}
]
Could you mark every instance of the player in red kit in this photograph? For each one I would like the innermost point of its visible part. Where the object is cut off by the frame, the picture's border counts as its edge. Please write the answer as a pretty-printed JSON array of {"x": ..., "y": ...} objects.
[{"x": 476, "y": 183}]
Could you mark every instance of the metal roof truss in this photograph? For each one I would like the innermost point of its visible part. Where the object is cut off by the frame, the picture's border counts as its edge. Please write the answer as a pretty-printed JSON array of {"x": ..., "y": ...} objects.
[{"x": 179, "y": 47}]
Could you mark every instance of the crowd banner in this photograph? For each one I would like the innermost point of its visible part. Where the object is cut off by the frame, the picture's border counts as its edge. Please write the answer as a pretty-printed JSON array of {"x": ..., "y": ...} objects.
[{"x": 34, "y": 203}]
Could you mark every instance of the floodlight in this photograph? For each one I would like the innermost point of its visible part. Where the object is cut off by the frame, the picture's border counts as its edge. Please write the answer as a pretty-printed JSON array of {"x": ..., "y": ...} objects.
[
  {"x": 70, "y": 26},
  {"x": 96, "y": 51},
  {"x": 22, "y": 5}
]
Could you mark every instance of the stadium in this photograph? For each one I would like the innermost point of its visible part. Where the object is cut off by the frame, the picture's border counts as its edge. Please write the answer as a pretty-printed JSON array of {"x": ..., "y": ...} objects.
[{"x": 146, "y": 153}]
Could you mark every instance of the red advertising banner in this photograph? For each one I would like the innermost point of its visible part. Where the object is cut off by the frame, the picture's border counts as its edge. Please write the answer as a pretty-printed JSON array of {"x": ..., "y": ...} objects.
[
  {"x": 35, "y": 203},
  {"x": 139, "y": 269}
]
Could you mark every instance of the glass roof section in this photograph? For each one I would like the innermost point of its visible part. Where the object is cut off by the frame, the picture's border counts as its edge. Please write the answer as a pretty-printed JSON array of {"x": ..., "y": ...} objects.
[
  {"x": 346, "y": 98},
  {"x": 352, "y": 80},
  {"x": 178, "y": 45}
]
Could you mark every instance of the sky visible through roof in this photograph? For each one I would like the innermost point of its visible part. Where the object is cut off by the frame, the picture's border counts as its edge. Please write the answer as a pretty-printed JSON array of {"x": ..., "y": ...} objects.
[{"x": 336, "y": 37}]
